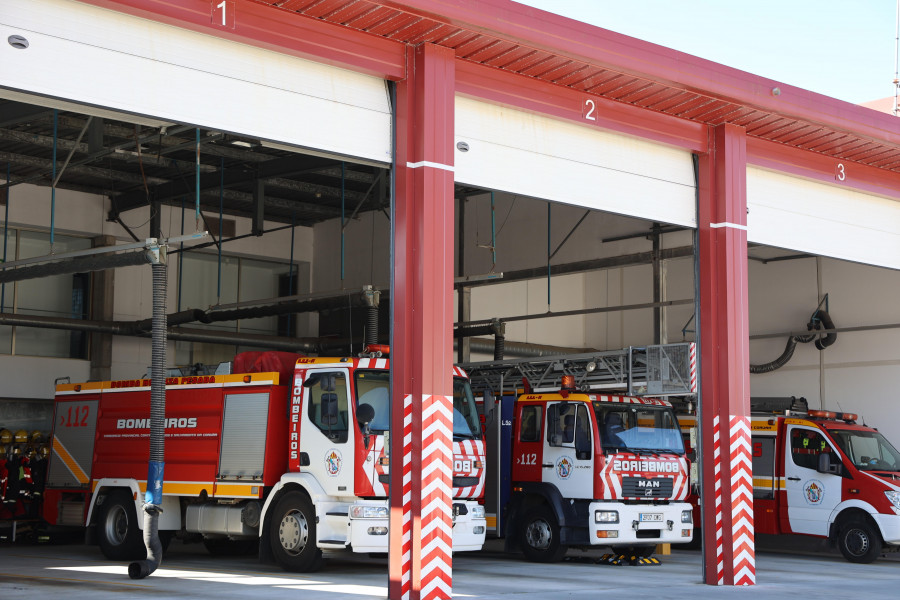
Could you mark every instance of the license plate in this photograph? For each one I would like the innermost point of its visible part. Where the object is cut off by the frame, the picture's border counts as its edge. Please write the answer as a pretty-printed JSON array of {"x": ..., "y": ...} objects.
[{"x": 651, "y": 517}]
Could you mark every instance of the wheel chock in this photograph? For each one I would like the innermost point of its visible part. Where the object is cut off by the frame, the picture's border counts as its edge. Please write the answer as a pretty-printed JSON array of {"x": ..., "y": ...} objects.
[{"x": 627, "y": 559}]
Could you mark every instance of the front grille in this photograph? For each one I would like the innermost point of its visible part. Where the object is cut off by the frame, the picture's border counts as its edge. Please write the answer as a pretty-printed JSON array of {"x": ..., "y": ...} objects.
[{"x": 647, "y": 487}]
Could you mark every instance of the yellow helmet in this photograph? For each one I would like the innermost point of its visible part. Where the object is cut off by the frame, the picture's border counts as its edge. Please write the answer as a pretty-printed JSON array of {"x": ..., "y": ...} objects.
[
  {"x": 21, "y": 436},
  {"x": 6, "y": 436},
  {"x": 44, "y": 451},
  {"x": 36, "y": 437},
  {"x": 2, "y": 451}
]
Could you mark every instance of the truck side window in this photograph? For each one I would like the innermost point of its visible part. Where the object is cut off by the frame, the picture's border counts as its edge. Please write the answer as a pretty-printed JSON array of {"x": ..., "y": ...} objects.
[
  {"x": 583, "y": 436},
  {"x": 328, "y": 405},
  {"x": 530, "y": 431},
  {"x": 561, "y": 424},
  {"x": 806, "y": 445}
]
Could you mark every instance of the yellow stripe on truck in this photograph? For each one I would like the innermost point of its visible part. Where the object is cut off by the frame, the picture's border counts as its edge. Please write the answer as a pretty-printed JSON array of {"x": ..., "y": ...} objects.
[{"x": 70, "y": 462}]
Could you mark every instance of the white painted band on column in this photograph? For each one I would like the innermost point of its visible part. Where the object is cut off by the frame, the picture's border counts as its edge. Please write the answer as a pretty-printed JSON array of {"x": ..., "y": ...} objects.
[
  {"x": 727, "y": 224},
  {"x": 426, "y": 163}
]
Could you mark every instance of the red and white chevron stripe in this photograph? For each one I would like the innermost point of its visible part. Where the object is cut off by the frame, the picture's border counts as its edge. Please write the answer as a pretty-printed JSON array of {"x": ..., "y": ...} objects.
[
  {"x": 742, "y": 567},
  {"x": 693, "y": 360},
  {"x": 717, "y": 470},
  {"x": 469, "y": 452},
  {"x": 437, "y": 499},
  {"x": 406, "y": 551},
  {"x": 742, "y": 535}
]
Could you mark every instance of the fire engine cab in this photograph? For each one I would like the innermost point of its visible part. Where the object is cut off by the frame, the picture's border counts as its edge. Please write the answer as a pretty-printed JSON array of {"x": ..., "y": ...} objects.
[
  {"x": 819, "y": 473},
  {"x": 287, "y": 454},
  {"x": 571, "y": 466}
]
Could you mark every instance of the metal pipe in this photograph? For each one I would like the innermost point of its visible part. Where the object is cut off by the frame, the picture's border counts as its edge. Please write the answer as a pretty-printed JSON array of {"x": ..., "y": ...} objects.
[
  {"x": 5, "y": 235},
  {"x": 612, "y": 262},
  {"x": 221, "y": 208},
  {"x": 197, "y": 185},
  {"x": 53, "y": 178}
]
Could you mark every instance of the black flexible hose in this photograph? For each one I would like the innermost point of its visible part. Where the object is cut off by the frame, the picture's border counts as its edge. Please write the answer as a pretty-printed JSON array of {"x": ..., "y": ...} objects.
[
  {"x": 153, "y": 498},
  {"x": 819, "y": 318}
]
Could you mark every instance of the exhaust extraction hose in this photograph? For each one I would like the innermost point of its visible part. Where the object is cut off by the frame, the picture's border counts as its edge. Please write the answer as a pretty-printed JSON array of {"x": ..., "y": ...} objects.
[
  {"x": 819, "y": 320},
  {"x": 153, "y": 497}
]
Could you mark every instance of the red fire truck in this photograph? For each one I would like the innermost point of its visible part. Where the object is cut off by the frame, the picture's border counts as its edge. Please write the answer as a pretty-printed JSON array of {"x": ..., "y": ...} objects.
[
  {"x": 286, "y": 453},
  {"x": 819, "y": 473},
  {"x": 570, "y": 467}
]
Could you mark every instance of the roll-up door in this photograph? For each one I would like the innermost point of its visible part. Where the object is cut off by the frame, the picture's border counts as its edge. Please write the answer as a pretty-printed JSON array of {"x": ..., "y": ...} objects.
[
  {"x": 102, "y": 58},
  {"x": 522, "y": 153},
  {"x": 826, "y": 220}
]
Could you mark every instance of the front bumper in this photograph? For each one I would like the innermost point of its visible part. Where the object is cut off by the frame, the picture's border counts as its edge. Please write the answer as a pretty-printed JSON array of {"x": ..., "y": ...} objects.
[
  {"x": 890, "y": 527},
  {"x": 370, "y": 535},
  {"x": 636, "y": 528}
]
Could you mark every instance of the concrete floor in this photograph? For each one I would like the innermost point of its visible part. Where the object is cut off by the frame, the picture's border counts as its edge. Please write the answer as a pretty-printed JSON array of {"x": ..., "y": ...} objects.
[{"x": 81, "y": 573}]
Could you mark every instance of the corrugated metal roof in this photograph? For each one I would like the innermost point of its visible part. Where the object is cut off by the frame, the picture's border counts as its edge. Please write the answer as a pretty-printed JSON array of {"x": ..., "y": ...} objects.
[{"x": 411, "y": 25}]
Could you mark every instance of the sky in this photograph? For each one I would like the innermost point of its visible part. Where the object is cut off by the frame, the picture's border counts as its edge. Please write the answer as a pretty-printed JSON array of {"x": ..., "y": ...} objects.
[{"x": 841, "y": 48}]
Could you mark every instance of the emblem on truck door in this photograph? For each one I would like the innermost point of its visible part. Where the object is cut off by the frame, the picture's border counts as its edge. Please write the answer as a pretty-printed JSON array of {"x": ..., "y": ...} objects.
[
  {"x": 564, "y": 467},
  {"x": 814, "y": 491},
  {"x": 333, "y": 462}
]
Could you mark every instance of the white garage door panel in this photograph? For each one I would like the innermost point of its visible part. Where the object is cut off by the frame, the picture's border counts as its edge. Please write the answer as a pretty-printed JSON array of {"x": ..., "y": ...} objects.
[
  {"x": 104, "y": 58},
  {"x": 789, "y": 212},
  {"x": 522, "y": 153}
]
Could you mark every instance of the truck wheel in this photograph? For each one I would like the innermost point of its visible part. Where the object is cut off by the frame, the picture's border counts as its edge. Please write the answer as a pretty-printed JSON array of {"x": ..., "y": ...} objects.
[
  {"x": 117, "y": 529},
  {"x": 859, "y": 541},
  {"x": 540, "y": 539},
  {"x": 293, "y": 533}
]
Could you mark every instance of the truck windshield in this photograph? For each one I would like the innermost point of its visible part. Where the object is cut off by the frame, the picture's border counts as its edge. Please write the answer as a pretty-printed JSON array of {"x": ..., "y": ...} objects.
[
  {"x": 868, "y": 450},
  {"x": 466, "y": 424},
  {"x": 638, "y": 428},
  {"x": 373, "y": 388}
]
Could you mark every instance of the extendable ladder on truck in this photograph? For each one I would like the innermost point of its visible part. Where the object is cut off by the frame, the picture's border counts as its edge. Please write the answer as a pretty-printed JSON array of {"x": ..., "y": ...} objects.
[{"x": 659, "y": 370}]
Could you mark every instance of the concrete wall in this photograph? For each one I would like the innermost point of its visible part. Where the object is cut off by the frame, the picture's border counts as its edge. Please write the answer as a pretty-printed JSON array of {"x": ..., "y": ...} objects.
[
  {"x": 81, "y": 214},
  {"x": 860, "y": 372}
]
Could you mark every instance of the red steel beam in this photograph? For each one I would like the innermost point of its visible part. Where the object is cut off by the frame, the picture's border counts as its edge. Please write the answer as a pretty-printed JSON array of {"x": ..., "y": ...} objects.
[
  {"x": 566, "y": 37},
  {"x": 727, "y": 495},
  {"x": 422, "y": 353},
  {"x": 268, "y": 27}
]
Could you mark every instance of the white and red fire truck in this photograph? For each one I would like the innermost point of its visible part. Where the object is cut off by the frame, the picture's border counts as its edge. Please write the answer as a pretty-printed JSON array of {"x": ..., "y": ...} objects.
[
  {"x": 569, "y": 467},
  {"x": 287, "y": 453},
  {"x": 819, "y": 473}
]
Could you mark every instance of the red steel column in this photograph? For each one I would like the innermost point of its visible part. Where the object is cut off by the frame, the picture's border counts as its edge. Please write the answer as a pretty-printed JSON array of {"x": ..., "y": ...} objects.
[
  {"x": 422, "y": 354},
  {"x": 728, "y": 550}
]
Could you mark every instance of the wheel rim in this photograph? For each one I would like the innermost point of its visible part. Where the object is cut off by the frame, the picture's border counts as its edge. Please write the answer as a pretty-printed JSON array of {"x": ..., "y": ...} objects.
[
  {"x": 856, "y": 542},
  {"x": 116, "y": 525},
  {"x": 538, "y": 534},
  {"x": 293, "y": 533}
]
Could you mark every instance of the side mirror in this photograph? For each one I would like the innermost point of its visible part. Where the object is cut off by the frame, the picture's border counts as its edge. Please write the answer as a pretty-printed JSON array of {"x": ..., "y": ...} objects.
[
  {"x": 329, "y": 409},
  {"x": 825, "y": 465},
  {"x": 365, "y": 414}
]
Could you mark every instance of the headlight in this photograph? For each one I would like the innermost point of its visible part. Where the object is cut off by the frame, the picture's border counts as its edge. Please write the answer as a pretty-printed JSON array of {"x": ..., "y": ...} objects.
[
  {"x": 606, "y": 516},
  {"x": 687, "y": 516},
  {"x": 361, "y": 511},
  {"x": 894, "y": 497},
  {"x": 477, "y": 512}
]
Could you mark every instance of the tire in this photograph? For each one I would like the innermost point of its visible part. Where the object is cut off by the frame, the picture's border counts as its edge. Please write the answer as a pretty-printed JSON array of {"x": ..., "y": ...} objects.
[
  {"x": 859, "y": 541},
  {"x": 540, "y": 538},
  {"x": 227, "y": 547},
  {"x": 117, "y": 528},
  {"x": 292, "y": 534}
]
